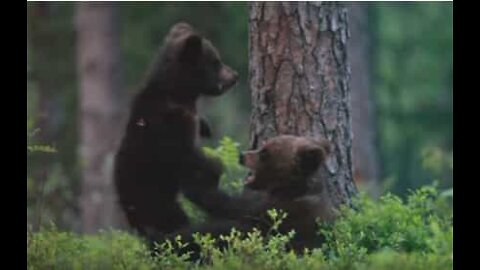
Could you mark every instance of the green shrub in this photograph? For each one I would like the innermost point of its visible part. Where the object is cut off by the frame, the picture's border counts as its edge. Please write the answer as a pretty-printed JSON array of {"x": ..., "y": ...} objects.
[
  {"x": 386, "y": 234},
  {"x": 228, "y": 152},
  {"x": 422, "y": 225},
  {"x": 52, "y": 249},
  {"x": 231, "y": 180}
]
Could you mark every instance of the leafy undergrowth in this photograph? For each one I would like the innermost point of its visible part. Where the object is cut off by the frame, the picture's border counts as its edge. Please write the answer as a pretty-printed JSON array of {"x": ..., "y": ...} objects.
[{"x": 385, "y": 234}]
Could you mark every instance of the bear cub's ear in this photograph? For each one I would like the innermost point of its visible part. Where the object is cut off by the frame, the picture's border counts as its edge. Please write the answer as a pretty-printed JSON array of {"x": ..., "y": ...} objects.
[
  {"x": 311, "y": 157},
  {"x": 325, "y": 146},
  {"x": 192, "y": 49}
]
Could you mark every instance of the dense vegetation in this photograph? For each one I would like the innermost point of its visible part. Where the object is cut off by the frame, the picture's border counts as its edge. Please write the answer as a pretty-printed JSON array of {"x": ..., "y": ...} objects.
[
  {"x": 391, "y": 233},
  {"x": 412, "y": 84},
  {"x": 384, "y": 234}
]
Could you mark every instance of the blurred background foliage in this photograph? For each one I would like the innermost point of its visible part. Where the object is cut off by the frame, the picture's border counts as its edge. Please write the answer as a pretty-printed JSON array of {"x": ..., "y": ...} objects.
[
  {"x": 413, "y": 87},
  {"x": 412, "y": 83}
]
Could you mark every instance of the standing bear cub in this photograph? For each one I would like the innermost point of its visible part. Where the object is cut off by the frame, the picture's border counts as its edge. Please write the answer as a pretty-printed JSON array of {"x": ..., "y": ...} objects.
[{"x": 159, "y": 156}]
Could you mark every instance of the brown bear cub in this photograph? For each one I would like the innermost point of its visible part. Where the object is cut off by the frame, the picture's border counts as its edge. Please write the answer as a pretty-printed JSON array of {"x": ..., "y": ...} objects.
[
  {"x": 280, "y": 172},
  {"x": 159, "y": 155},
  {"x": 282, "y": 168}
]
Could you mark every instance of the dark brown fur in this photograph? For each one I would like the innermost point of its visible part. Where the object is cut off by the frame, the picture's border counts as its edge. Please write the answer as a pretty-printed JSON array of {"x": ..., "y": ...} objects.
[
  {"x": 280, "y": 171},
  {"x": 159, "y": 156}
]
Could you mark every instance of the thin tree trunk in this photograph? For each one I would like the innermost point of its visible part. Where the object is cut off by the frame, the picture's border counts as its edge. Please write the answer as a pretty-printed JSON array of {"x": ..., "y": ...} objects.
[
  {"x": 299, "y": 82},
  {"x": 98, "y": 55},
  {"x": 44, "y": 44},
  {"x": 363, "y": 123},
  {"x": 41, "y": 38}
]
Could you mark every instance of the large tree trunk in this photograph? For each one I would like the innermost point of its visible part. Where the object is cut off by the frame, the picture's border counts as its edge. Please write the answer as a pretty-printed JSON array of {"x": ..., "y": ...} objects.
[
  {"x": 299, "y": 82},
  {"x": 363, "y": 125},
  {"x": 98, "y": 55}
]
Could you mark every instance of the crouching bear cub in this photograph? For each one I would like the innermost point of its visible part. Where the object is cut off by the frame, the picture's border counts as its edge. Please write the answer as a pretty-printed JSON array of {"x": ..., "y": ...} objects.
[
  {"x": 159, "y": 156},
  {"x": 280, "y": 171}
]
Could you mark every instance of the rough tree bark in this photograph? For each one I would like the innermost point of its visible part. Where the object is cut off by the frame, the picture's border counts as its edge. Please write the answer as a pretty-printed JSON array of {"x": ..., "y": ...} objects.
[
  {"x": 98, "y": 52},
  {"x": 299, "y": 82},
  {"x": 365, "y": 165}
]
